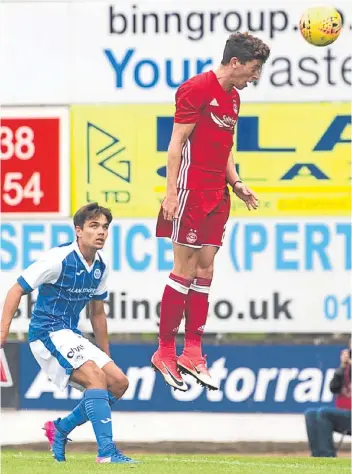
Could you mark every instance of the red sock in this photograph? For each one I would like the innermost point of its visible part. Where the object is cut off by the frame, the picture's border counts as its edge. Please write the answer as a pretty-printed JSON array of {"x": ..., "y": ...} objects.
[
  {"x": 197, "y": 306},
  {"x": 171, "y": 310}
]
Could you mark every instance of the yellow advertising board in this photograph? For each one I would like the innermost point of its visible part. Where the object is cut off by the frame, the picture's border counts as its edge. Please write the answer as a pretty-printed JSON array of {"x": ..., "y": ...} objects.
[{"x": 296, "y": 157}]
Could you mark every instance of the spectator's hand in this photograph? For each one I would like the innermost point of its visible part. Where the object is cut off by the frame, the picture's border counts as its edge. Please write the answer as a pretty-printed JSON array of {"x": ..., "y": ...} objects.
[{"x": 345, "y": 357}]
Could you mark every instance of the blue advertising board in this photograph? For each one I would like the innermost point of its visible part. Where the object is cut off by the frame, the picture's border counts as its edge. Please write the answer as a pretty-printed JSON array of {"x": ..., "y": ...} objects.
[{"x": 252, "y": 379}]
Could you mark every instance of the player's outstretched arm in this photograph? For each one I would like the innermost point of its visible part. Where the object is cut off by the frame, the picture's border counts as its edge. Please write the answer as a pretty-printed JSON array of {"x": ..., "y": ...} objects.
[
  {"x": 11, "y": 304},
  {"x": 180, "y": 134},
  {"x": 99, "y": 324}
]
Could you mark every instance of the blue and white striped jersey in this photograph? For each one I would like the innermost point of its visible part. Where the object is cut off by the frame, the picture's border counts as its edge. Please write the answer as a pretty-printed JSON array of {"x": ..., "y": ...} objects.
[{"x": 65, "y": 285}]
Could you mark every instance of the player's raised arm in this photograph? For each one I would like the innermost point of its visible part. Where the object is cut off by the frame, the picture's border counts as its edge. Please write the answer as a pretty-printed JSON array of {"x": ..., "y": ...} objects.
[
  {"x": 241, "y": 190},
  {"x": 11, "y": 304}
]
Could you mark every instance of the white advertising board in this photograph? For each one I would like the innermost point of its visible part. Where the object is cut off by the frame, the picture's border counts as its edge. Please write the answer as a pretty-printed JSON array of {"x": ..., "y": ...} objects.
[
  {"x": 273, "y": 276},
  {"x": 121, "y": 52}
]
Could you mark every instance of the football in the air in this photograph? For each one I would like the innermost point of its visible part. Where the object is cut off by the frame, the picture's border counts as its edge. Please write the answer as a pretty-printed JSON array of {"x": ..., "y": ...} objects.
[{"x": 320, "y": 26}]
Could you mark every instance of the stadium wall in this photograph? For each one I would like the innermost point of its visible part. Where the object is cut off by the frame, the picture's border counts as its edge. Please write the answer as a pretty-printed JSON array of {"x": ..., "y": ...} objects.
[
  {"x": 263, "y": 390},
  {"x": 24, "y": 427}
]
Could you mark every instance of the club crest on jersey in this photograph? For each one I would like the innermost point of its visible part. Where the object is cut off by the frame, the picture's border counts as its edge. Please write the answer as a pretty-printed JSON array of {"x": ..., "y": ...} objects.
[
  {"x": 224, "y": 122},
  {"x": 235, "y": 108},
  {"x": 97, "y": 273},
  {"x": 191, "y": 237}
]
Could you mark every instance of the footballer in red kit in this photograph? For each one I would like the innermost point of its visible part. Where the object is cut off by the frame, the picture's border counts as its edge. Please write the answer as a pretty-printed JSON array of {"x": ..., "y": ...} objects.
[
  {"x": 204, "y": 202},
  {"x": 196, "y": 208}
]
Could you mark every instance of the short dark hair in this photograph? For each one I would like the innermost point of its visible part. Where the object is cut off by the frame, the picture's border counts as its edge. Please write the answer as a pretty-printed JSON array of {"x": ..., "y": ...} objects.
[
  {"x": 246, "y": 48},
  {"x": 88, "y": 212}
]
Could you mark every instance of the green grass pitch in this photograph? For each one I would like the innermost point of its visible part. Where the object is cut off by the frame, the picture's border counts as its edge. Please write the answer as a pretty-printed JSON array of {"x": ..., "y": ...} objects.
[{"x": 29, "y": 462}]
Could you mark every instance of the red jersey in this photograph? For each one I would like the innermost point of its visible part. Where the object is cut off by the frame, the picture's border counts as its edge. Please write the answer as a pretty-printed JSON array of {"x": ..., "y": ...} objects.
[{"x": 202, "y": 100}]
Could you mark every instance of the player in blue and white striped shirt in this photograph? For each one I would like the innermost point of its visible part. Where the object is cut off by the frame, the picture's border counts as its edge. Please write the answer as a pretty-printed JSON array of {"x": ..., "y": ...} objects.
[{"x": 68, "y": 278}]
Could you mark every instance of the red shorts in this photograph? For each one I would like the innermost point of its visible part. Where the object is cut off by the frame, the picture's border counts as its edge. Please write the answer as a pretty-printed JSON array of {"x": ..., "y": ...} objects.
[{"x": 202, "y": 217}]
